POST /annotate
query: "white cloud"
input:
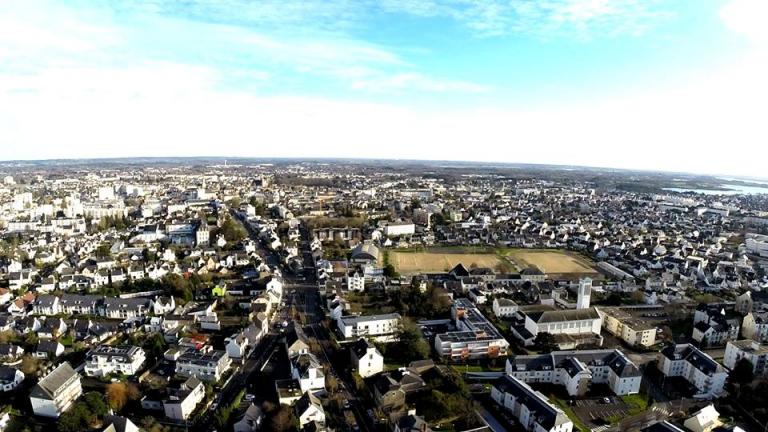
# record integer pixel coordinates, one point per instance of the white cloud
(748, 18)
(711, 125)
(415, 81)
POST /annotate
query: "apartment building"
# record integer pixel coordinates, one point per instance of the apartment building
(531, 408)
(206, 364)
(631, 330)
(105, 360)
(578, 370)
(698, 368)
(755, 326)
(383, 328)
(475, 337)
(56, 392)
(756, 353)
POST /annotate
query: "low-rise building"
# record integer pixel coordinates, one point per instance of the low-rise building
(56, 391)
(206, 364)
(578, 370)
(475, 337)
(531, 408)
(182, 401)
(105, 360)
(756, 353)
(631, 330)
(366, 359)
(698, 368)
(10, 378)
(571, 327)
(384, 328)
(504, 308)
(755, 326)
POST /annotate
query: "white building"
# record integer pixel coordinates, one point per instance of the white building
(395, 229)
(571, 327)
(756, 353)
(205, 364)
(181, 402)
(56, 392)
(698, 368)
(366, 359)
(105, 360)
(531, 408)
(578, 370)
(355, 281)
(309, 409)
(755, 326)
(10, 378)
(378, 327)
(504, 308)
(307, 370)
(584, 294)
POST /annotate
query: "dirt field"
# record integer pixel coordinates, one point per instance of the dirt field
(434, 262)
(551, 262)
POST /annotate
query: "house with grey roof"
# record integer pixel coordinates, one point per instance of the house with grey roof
(696, 367)
(56, 392)
(532, 409)
(578, 370)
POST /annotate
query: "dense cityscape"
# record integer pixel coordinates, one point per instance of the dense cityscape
(288, 295)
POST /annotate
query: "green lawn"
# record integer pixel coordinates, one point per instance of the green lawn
(637, 403)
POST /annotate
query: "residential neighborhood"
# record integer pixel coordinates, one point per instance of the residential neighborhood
(294, 296)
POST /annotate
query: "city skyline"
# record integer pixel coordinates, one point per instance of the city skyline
(660, 85)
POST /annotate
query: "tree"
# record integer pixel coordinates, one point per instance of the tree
(117, 395)
(545, 342)
(96, 404)
(390, 272)
(29, 365)
(282, 419)
(331, 383)
(742, 373)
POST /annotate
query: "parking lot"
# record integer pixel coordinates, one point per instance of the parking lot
(596, 412)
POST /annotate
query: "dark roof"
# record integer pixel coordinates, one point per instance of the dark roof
(546, 414)
(691, 354)
(51, 384)
(662, 426)
(459, 271)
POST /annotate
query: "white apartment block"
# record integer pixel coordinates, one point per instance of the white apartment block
(378, 327)
(578, 370)
(755, 326)
(206, 365)
(105, 360)
(531, 408)
(355, 282)
(698, 368)
(56, 392)
(756, 353)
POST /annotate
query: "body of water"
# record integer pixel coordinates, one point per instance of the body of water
(732, 190)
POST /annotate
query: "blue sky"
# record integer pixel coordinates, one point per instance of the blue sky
(649, 84)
